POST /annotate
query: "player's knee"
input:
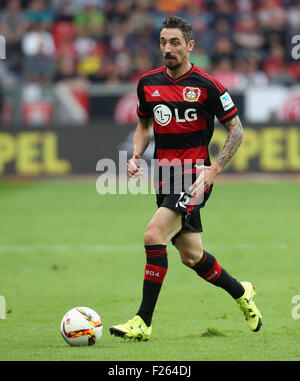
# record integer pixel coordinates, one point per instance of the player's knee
(190, 258)
(152, 236)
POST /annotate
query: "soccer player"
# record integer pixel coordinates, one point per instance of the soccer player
(179, 102)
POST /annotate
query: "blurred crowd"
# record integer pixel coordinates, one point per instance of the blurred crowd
(115, 41)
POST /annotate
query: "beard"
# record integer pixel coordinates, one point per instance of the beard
(171, 64)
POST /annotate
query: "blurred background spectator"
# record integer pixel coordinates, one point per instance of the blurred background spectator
(13, 26)
(39, 53)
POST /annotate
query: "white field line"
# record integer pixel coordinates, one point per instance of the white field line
(67, 247)
(111, 247)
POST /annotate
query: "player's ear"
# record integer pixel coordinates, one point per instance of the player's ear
(191, 45)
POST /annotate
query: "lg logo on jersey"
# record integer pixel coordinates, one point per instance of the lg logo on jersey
(163, 115)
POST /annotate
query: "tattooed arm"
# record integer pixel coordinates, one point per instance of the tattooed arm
(232, 143)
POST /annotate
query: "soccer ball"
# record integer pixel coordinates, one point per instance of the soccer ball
(81, 326)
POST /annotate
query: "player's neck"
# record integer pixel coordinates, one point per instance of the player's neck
(180, 71)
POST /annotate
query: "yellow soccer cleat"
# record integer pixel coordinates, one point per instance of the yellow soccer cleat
(248, 307)
(135, 330)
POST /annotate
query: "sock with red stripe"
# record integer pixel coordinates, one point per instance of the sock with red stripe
(155, 272)
(209, 269)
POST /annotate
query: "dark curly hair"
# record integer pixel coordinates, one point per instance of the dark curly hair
(178, 23)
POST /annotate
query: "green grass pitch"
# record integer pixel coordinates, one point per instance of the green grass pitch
(63, 245)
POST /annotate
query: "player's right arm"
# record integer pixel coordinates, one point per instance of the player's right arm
(141, 140)
(143, 132)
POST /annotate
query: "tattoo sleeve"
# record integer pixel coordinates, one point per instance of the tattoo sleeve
(233, 141)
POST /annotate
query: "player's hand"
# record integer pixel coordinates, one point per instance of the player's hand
(133, 166)
(205, 179)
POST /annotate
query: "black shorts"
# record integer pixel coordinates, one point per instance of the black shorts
(190, 214)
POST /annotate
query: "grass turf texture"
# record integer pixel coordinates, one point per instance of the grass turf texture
(63, 245)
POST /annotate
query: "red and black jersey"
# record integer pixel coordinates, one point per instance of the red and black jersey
(183, 112)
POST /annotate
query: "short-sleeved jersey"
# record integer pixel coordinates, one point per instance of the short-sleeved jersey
(183, 112)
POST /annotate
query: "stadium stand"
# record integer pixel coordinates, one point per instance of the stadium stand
(114, 41)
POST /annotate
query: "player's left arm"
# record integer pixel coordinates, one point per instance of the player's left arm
(222, 106)
(233, 141)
